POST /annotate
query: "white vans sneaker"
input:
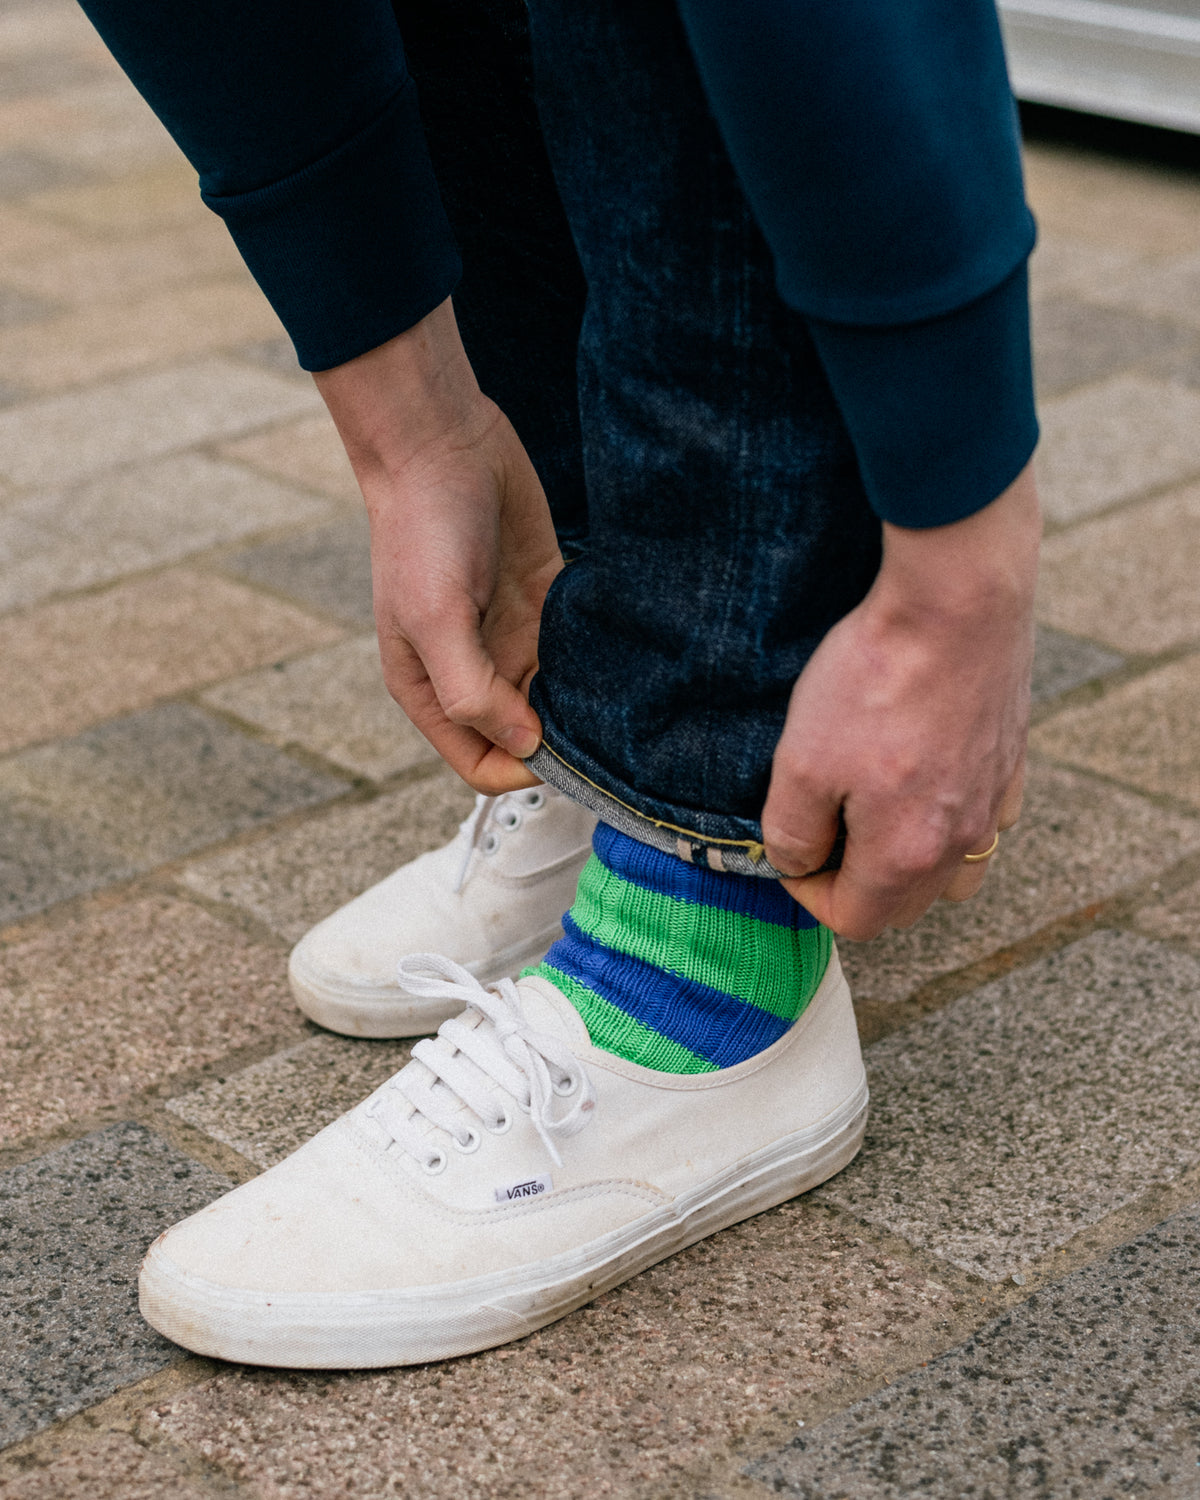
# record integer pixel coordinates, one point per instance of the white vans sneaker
(509, 1174)
(492, 900)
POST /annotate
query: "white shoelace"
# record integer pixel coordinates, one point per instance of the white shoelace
(462, 1063)
(505, 811)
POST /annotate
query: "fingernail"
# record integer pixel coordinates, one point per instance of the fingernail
(520, 742)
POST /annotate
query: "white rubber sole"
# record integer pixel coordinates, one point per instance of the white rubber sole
(381, 1011)
(365, 1330)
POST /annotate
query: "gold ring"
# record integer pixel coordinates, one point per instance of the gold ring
(977, 859)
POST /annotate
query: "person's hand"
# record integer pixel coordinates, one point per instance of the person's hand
(462, 547)
(909, 722)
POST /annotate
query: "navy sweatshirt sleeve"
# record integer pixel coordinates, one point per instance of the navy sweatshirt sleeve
(876, 142)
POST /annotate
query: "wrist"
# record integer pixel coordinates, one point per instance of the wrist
(398, 398)
(983, 567)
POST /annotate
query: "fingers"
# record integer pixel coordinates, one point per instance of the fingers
(485, 766)
(1014, 794)
(800, 821)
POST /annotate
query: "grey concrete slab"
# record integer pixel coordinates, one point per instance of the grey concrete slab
(73, 1226)
(268, 1110)
(276, 354)
(1077, 842)
(1089, 1390)
(1113, 441)
(64, 438)
(1062, 662)
(1127, 580)
(23, 172)
(138, 517)
(1075, 342)
(20, 307)
(333, 702)
(326, 566)
(1142, 733)
(290, 880)
(152, 786)
(1004, 1124)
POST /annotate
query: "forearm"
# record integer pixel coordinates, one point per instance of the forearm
(878, 146)
(302, 123)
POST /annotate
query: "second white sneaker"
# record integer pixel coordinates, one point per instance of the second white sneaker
(492, 900)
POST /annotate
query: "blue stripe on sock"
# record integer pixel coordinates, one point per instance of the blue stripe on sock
(655, 871)
(716, 1026)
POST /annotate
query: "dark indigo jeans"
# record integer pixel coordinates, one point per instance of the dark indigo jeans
(620, 305)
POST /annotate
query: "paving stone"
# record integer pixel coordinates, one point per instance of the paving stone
(1076, 843)
(306, 452)
(75, 1223)
(269, 1109)
(1062, 662)
(1134, 206)
(44, 72)
(620, 1395)
(1143, 732)
(91, 273)
(1162, 289)
(132, 793)
(1062, 265)
(1004, 1124)
(1128, 579)
(69, 664)
(1076, 342)
(162, 197)
(326, 566)
(59, 540)
(291, 880)
(121, 1000)
(112, 1467)
(23, 172)
(25, 236)
(1089, 1389)
(1177, 917)
(334, 703)
(48, 25)
(19, 307)
(276, 354)
(1114, 441)
(65, 438)
(111, 338)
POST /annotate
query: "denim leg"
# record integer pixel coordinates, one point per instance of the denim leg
(728, 527)
(520, 302)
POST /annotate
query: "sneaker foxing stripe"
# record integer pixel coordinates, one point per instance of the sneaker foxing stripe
(763, 964)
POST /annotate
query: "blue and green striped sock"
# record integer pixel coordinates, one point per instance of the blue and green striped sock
(678, 967)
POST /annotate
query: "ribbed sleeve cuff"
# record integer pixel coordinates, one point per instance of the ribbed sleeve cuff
(941, 412)
(354, 248)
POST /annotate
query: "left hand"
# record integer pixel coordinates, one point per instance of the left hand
(909, 722)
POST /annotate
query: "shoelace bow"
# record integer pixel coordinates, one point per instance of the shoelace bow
(485, 811)
(463, 1061)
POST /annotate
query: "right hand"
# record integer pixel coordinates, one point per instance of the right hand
(462, 547)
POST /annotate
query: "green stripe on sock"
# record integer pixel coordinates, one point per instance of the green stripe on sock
(613, 1031)
(776, 968)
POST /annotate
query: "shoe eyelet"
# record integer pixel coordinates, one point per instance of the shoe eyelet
(534, 799)
(436, 1163)
(565, 1087)
(504, 1123)
(470, 1144)
(490, 843)
(509, 819)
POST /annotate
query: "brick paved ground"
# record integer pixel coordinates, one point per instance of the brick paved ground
(996, 1300)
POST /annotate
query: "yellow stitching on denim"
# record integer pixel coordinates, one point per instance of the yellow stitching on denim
(754, 850)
